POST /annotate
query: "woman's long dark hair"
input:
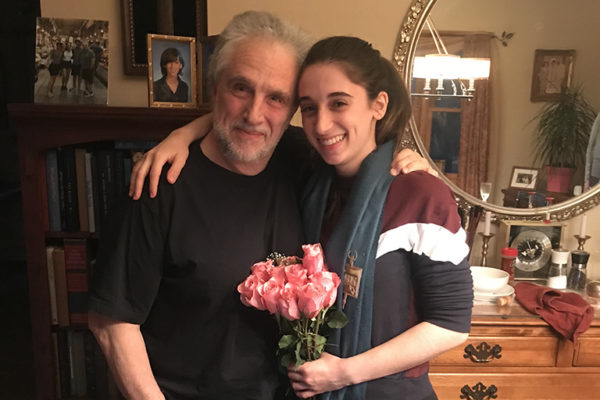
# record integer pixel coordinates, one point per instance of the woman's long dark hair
(366, 67)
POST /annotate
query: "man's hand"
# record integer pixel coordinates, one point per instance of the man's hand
(172, 150)
(323, 375)
(408, 161)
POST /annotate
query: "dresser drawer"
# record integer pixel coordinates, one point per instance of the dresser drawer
(530, 386)
(587, 353)
(501, 352)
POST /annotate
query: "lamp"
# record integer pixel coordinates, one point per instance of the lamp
(444, 66)
(474, 68)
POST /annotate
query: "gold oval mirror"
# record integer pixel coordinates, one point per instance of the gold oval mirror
(514, 100)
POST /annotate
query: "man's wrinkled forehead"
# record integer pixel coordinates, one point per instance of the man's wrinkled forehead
(238, 54)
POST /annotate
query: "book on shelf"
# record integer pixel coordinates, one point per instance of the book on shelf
(63, 382)
(77, 377)
(58, 390)
(76, 266)
(51, 284)
(60, 286)
(82, 199)
(89, 192)
(52, 188)
(67, 180)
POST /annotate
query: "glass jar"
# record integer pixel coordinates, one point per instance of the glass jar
(557, 274)
(578, 275)
(509, 258)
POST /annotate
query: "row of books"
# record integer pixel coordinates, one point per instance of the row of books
(83, 183)
(81, 368)
(69, 269)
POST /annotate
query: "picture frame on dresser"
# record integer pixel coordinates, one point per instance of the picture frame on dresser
(523, 178)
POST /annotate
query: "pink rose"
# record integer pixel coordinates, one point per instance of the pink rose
(311, 297)
(262, 270)
(278, 273)
(270, 293)
(313, 258)
(249, 292)
(296, 274)
(330, 282)
(288, 302)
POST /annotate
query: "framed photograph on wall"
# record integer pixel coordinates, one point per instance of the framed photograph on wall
(71, 61)
(206, 46)
(171, 71)
(167, 17)
(552, 70)
(523, 178)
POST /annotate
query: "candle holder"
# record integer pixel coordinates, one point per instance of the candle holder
(484, 247)
(581, 241)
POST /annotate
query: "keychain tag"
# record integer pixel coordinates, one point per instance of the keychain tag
(352, 275)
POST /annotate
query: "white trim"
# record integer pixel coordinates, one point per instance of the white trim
(434, 241)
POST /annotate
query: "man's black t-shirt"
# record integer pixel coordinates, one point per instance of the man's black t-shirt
(172, 265)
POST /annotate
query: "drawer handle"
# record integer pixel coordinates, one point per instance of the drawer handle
(483, 353)
(478, 392)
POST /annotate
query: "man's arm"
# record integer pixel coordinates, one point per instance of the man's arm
(123, 345)
(174, 150)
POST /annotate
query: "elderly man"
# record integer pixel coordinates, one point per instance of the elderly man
(163, 303)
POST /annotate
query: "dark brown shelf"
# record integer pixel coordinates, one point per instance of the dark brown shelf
(72, 235)
(43, 127)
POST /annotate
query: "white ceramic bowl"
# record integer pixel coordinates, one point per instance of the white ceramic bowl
(486, 279)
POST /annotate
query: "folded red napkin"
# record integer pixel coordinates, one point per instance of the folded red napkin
(567, 312)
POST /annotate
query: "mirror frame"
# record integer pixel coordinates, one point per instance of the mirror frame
(403, 55)
(128, 18)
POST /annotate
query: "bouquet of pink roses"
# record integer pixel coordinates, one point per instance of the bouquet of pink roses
(302, 291)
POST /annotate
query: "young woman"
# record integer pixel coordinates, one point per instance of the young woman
(67, 62)
(415, 291)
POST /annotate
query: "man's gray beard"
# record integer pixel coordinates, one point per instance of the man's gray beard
(232, 152)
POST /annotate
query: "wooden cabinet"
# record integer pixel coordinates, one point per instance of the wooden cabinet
(514, 355)
(43, 127)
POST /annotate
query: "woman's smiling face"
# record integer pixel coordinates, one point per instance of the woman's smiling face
(338, 117)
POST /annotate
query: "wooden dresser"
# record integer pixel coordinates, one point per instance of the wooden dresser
(512, 354)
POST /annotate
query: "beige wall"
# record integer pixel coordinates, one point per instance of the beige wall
(378, 22)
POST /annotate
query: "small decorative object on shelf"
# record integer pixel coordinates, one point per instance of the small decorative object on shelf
(484, 247)
(577, 274)
(557, 274)
(509, 259)
(581, 241)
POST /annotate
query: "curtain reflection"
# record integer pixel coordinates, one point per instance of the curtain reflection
(458, 145)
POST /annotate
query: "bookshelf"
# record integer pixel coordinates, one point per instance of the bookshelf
(41, 128)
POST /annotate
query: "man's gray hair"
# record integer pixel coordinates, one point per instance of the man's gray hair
(256, 24)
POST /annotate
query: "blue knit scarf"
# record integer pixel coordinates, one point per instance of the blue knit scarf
(357, 230)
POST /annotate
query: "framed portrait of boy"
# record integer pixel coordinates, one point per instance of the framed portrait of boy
(171, 71)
